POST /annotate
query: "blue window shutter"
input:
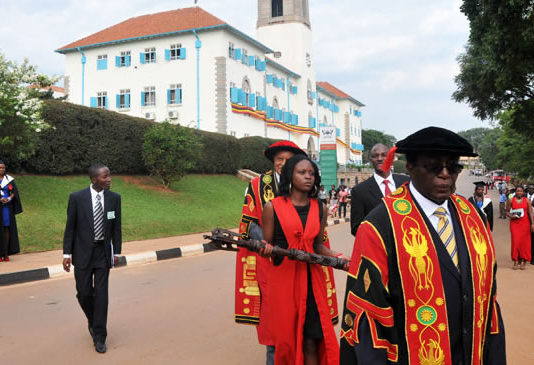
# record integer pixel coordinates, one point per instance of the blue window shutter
(237, 54)
(93, 103)
(252, 100)
(182, 53)
(338, 132)
(270, 112)
(141, 57)
(167, 55)
(179, 96)
(118, 101)
(244, 59)
(106, 102)
(313, 94)
(168, 96)
(128, 61)
(263, 65)
(142, 98)
(251, 60)
(286, 117)
(234, 95)
(257, 64)
(242, 98)
(118, 61)
(294, 89)
(127, 100)
(269, 78)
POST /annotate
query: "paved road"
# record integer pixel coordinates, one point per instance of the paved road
(180, 312)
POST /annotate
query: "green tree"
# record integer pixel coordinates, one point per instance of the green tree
(370, 137)
(169, 151)
(489, 147)
(20, 109)
(497, 67)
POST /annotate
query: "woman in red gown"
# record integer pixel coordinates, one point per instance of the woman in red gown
(301, 323)
(519, 211)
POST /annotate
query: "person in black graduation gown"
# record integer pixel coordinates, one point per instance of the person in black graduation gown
(92, 243)
(11, 205)
(414, 281)
(365, 196)
(482, 202)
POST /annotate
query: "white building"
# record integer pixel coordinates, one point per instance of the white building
(194, 69)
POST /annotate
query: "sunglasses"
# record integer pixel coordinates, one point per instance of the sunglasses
(435, 167)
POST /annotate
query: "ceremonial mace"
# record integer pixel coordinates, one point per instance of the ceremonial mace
(225, 240)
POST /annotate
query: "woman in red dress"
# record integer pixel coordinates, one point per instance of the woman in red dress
(519, 211)
(301, 323)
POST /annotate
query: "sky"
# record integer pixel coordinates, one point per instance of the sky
(396, 57)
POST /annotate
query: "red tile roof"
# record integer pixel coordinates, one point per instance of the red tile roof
(333, 90)
(55, 88)
(151, 24)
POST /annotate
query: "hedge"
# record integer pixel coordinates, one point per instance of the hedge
(80, 136)
(220, 153)
(252, 153)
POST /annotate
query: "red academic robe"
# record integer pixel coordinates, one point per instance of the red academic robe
(287, 290)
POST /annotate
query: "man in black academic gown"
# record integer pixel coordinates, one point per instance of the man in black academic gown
(92, 243)
(365, 196)
(421, 286)
(482, 202)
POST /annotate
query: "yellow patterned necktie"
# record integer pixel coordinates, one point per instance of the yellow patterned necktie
(446, 234)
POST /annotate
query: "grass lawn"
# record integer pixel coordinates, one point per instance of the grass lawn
(197, 203)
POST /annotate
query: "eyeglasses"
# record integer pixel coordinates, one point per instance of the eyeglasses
(435, 167)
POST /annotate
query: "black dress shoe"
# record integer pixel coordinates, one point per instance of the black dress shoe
(100, 347)
(92, 332)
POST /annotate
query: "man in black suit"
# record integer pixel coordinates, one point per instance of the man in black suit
(92, 243)
(367, 195)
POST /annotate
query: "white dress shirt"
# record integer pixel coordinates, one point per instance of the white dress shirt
(380, 181)
(429, 207)
(94, 193)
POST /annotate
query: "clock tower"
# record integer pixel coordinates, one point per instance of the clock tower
(285, 27)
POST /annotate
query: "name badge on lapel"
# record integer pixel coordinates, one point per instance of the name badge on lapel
(111, 214)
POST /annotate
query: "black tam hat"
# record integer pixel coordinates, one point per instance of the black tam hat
(479, 184)
(435, 139)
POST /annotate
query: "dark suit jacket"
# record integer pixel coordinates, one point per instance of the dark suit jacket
(365, 197)
(79, 231)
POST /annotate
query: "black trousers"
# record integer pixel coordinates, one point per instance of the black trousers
(92, 291)
(344, 207)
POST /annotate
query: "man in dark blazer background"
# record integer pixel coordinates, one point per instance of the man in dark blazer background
(92, 243)
(365, 197)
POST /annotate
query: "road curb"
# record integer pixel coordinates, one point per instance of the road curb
(54, 271)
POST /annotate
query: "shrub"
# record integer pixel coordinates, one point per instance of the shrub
(399, 167)
(252, 157)
(81, 136)
(169, 151)
(219, 154)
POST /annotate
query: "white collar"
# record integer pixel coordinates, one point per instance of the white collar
(427, 205)
(94, 193)
(380, 180)
(6, 180)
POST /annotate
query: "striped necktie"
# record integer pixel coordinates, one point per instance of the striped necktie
(98, 217)
(446, 234)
